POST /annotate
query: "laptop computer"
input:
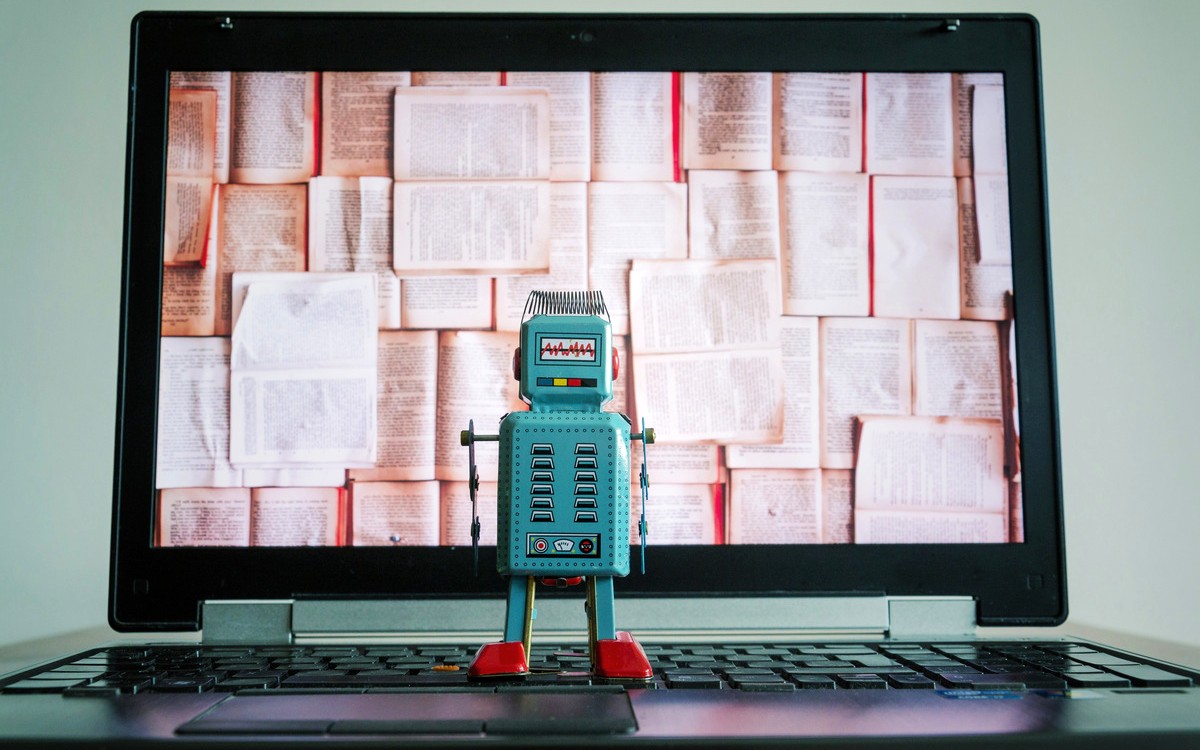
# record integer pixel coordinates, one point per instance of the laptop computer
(822, 244)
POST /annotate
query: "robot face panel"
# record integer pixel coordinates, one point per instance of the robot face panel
(566, 362)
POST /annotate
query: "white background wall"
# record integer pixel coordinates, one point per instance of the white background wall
(1124, 164)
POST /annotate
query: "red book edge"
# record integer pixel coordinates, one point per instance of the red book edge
(676, 110)
(316, 165)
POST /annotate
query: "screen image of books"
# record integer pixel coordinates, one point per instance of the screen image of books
(808, 275)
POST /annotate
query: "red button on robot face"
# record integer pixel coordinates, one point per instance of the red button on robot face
(540, 545)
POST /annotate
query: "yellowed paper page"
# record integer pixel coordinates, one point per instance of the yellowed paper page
(837, 506)
(394, 514)
(916, 247)
(350, 229)
(675, 514)
(568, 256)
(222, 83)
(825, 237)
(628, 221)
(192, 448)
(446, 302)
(406, 407)
(203, 517)
(295, 516)
(866, 368)
(732, 214)
(775, 506)
(909, 124)
(456, 513)
(356, 122)
(801, 446)
(680, 463)
(726, 121)
(471, 134)
(818, 122)
(570, 120)
(632, 127)
(484, 228)
(985, 290)
(963, 85)
(274, 125)
(957, 369)
(455, 78)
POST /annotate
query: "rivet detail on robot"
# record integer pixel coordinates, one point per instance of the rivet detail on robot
(563, 491)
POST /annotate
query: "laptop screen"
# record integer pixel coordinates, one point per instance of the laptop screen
(807, 263)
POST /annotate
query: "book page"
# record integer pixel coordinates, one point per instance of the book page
(295, 476)
(675, 514)
(801, 446)
(456, 513)
(818, 122)
(259, 228)
(726, 121)
(186, 215)
(916, 247)
(628, 221)
(916, 475)
(203, 517)
(356, 122)
(274, 127)
(866, 368)
(191, 144)
(455, 78)
(485, 228)
(394, 514)
(963, 85)
(295, 516)
(475, 382)
(406, 407)
(192, 448)
(703, 305)
(733, 396)
(303, 371)
(992, 220)
(674, 463)
(471, 134)
(733, 214)
(189, 303)
(825, 239)
(222, 83)
(909, 124)
(570, 120)
(775, 506)
(957, 369)
(446, 302)
(634, 122)
(985, 290)
(989, 148)
(837, 506)
(350, 229)
(568, 257)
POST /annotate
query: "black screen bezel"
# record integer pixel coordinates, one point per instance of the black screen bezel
(161, 588)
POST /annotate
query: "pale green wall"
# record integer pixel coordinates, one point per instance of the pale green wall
(1124, 157)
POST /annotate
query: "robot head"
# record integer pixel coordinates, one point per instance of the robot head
(566, 361)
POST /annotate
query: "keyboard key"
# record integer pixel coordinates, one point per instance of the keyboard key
(812, 681)
(1099, 680)
(910, 681)
(767, 687)
(183, 685)
(860, 681)
(244, 683)
(1144, 675)
(695, 681)
(1102, 660)
(40, 686)
(1013, 681)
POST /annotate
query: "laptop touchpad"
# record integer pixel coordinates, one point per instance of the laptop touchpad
(497, 713)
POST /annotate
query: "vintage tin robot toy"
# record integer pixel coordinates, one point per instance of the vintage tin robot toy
(563, 503)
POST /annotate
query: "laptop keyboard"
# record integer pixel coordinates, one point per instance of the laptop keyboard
(752, 668)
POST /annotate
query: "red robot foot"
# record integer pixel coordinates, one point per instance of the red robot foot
(504, 659)
(621, 658)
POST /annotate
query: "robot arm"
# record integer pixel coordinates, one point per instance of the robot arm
(468, 438)
(647, 438)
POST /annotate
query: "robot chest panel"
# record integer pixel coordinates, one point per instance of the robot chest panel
(567, 498)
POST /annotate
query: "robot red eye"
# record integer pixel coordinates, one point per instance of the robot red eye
(616, 363)
(517, 363)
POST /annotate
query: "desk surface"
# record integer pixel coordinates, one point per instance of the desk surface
(17, 656)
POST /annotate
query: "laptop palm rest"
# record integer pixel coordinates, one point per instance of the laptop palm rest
(482, 712)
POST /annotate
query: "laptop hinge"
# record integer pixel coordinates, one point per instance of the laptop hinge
(939, 617)
(246, 622)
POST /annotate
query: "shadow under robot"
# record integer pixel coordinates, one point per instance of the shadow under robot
(563, 494)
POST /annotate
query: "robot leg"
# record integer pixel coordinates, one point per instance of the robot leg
(615, 654)
(510, 656)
